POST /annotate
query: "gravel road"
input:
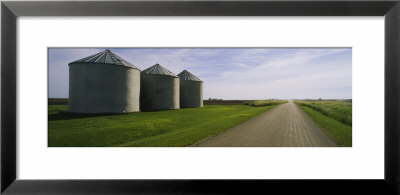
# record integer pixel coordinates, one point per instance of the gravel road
(285, 125)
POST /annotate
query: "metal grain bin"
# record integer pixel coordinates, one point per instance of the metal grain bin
(191, 90)
(159, 89)
(103, 83)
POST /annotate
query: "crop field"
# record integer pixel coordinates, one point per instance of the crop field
(334, 116)
(163, 128)
(223, 102)
(254, 103)
(259, 103)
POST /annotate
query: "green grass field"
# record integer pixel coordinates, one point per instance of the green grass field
(336, 109)
(259, 103)
(164, 128)
(335, 117)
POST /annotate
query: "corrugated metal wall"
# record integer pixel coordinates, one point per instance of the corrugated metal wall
(103, 88)
(159, 92)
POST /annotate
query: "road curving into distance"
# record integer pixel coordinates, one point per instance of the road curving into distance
(286, 125)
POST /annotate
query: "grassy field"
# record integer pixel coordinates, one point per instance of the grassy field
(335, 117)
(54, 109)
(338, 110)
(164, 128)
(223, 102)
(259, 103)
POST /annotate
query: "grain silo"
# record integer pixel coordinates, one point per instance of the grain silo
(103, 83)
(159, 89)
(191, 90)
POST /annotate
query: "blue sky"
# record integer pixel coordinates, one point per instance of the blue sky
(233, 73)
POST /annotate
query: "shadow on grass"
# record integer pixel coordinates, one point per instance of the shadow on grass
(63, 115)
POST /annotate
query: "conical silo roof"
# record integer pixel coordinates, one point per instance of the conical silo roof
(105, 57)
(158, 69)
(187, 76)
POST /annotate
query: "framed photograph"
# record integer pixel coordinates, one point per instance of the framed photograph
(113, 90)
(199, 97)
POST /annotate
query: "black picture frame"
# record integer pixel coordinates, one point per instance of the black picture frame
(10, 10)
